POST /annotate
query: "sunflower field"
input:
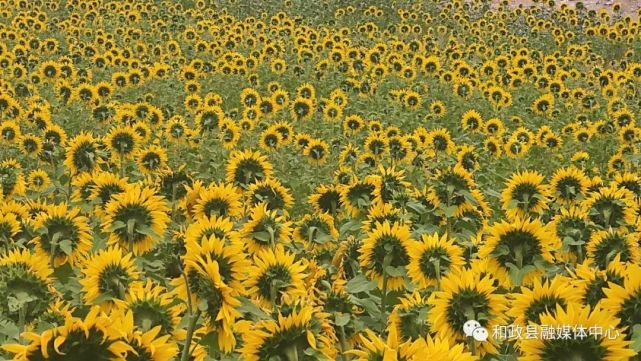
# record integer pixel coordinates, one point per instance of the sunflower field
(292, 180)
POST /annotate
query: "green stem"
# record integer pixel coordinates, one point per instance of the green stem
(343, 343)
(383, 297)
(190, 334)
(472, 345)
(52, 254)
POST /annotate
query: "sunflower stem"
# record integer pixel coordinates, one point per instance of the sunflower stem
(343, 343)
(190, 334)
(69, 187)
(472, 345)
(186, 280)
(386, 262)
(22, 315)
(52, 254)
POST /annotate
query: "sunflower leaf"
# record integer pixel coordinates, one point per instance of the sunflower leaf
(66, 246)
(341, 319)
(359, 284)
(636, 337)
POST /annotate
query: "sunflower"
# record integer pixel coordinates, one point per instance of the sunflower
(123, 141)
(316, 230)
(297, 332)
(136, 218)
(409, 317)
(580, 319)
(302, 109)
(107, 277)
(607, 206)
(27, 285)
(12, 182)
(531, 303)
(219, 199)
(63, 235)
(590, 282)
(353, 124)
(317, 151)
(604, 246)
(103, 186)
(358, 195)
(376, 143)
(215, 275)
(82, 153)
(148, 345)
(38, 180)
(386, 246)
(571, 227)
(568, 185)
(270, 140)
(472, 121)
(275, 273)
(30, 145)
(440, 141)
(525, 194)
(247, 167)
(94, 337)
(152, 306)
(519, 243)
(151, 159)
(438, 348)
(9, 132)
(265, 228)
(9, 227)
(326, 199)
(466, 295)
(431, 258)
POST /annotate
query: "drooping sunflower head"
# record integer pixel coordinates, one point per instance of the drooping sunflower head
(136, 218)
(12, 180)
(247, 167)
(151, 159)
(152, 306)
(25, 284)
(599, 347)
(409, 317)
(64, 235)
(144, 343)
(431, 258)
(275, 273)
(590, 282)
(571, 227)
(272, 193)
(298, 328)
(466, 295)
(82, 153)
(107, 277)
(265, 228)
(530, 303)
(104, 186)
(358, 195)
(221, 227)
(97, 336)
(220, 200)
(568, 185)
(520, 243)
(606, 246)
(317, 231)
(607, 206)
(326, 199)
(451, 185)
(386, 246)
(525, 194)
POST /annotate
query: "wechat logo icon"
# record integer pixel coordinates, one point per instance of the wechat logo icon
(473, 328)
